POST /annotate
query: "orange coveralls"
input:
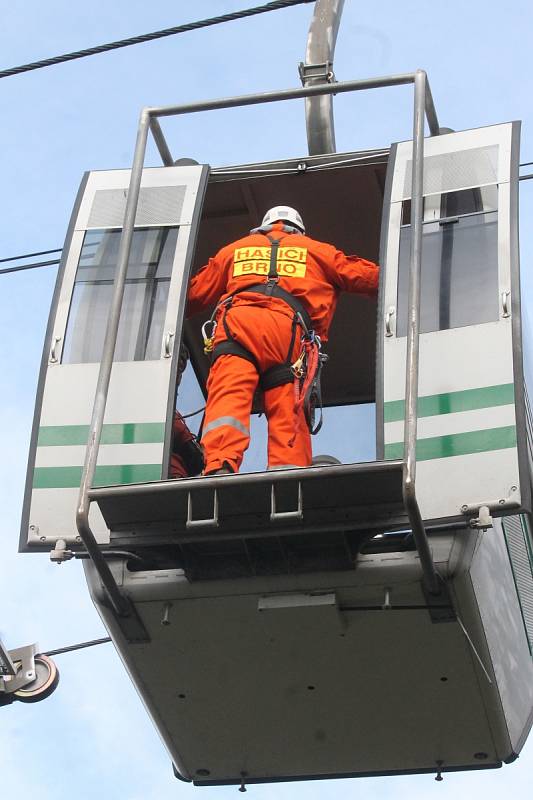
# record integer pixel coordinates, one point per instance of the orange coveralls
(313, 272)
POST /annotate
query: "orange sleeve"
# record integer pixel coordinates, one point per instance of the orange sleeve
(354, 274)
(207, 286)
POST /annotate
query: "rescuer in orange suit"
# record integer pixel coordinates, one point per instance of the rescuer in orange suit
(275, 292)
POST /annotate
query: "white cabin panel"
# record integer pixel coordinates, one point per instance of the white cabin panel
(172, 203)
(456, 161)
(59, 504)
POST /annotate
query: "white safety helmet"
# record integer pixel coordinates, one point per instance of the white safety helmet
(283, 214)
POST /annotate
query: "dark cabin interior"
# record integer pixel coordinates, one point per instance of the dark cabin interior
(340, 199)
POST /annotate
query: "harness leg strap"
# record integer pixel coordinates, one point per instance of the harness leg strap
(233, 348)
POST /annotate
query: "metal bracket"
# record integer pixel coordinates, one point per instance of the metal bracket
(277, 515)
(440, 606)
(22, 661)
(484, 520)
(130, 623)
(482, 510)
(202, 523)
(6, 662)
(322, 72)
(60, 553)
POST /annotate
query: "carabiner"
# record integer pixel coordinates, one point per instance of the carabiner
(298, 369)
(209, 341)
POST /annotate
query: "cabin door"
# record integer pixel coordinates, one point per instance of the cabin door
(471, 442)
(136, 432)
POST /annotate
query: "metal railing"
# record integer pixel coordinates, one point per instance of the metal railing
(423, 105)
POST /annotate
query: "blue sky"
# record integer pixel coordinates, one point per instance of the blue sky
(92, 736)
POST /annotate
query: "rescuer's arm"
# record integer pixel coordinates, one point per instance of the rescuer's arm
(354, 274)
(207, 286)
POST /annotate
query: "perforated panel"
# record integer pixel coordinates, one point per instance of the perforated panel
(452, 171)
(161, 205)
(521, 560)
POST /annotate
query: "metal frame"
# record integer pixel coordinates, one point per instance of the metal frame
(380, 342)
(526, 476)
(14, 679)
(178, 325)
(149, 120)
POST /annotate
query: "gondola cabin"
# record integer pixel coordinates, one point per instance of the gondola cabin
(279, 625)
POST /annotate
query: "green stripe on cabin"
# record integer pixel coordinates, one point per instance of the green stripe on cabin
(108, 475)
(452, 402)
(126, 433)
(457, 444)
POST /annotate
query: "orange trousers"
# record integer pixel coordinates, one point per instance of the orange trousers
(231, 386)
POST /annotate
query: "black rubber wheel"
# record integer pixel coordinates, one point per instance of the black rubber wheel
(45, 682)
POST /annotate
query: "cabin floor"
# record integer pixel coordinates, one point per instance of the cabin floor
(281, 522)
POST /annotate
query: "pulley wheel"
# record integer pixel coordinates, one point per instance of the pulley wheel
(44, 683)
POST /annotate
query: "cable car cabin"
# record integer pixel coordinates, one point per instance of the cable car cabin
(277, 624)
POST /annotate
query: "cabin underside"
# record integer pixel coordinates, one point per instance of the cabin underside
(325, 674)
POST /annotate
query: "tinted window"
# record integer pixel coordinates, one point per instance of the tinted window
(145, 295)
(459, 284)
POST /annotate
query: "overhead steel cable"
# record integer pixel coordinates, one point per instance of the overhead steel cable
(80, 646)
(30, 255)
(22, 267)
(148, 37)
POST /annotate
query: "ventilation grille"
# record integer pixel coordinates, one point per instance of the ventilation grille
(521, 557)
(161, 205)
(453, 171)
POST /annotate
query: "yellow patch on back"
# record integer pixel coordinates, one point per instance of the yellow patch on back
(291, 261)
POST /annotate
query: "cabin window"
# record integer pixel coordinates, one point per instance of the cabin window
(145, 296)
(459, 283)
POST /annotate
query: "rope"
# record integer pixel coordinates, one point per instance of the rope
(193, 413)
(148, 37)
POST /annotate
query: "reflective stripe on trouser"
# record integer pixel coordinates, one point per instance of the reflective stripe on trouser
(231, 386)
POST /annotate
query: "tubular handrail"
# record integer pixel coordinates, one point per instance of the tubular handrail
(413, 339)
(423, 104)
